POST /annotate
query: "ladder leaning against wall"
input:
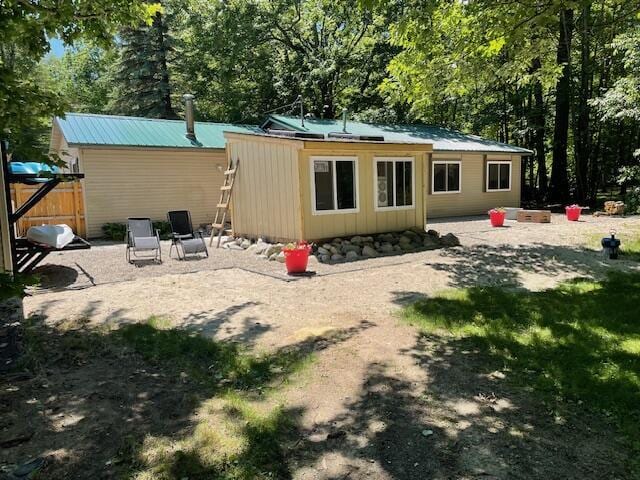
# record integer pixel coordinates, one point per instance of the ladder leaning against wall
(219, 225)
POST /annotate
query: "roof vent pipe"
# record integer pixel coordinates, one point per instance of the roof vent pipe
(188, 116)
(344, 120)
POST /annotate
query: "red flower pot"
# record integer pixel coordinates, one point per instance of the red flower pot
(296, 259)
(497, 217)
(573, 212)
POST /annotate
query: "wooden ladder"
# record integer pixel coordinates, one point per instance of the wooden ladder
(222, 209)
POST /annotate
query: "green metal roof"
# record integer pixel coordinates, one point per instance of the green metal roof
(443, 139)
(112, 130)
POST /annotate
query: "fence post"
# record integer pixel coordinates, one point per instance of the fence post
(76, 209)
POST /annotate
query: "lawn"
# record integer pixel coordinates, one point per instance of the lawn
(224, 399)
(630, 246)
(577, 345)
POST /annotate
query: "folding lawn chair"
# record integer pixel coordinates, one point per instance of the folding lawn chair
(142, 242)
(183, 237)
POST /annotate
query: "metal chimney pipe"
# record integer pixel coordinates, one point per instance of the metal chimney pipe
(344, 120)
(188, 116)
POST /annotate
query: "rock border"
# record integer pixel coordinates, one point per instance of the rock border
(353, 248)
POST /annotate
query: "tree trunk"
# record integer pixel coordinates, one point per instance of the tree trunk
(539, 125)
(582, 133)
(559, 186)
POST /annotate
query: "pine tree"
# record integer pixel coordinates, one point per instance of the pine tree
(142, 75)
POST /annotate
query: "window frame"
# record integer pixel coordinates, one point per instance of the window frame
(499, 162)
(433, 176)
(394, 160)
(333, 159)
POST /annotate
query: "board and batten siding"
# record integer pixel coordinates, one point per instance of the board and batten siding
(266, 200)
(146, 182)
(367, 220)
(473, 199)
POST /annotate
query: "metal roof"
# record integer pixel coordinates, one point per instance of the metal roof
(443, 139)
(112, 130)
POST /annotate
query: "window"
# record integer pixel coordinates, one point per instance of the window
(334, 185)
(394, 183)
(498, 176)
(445, 176)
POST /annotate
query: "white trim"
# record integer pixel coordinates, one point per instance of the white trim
(333, 159)
(446, 162)
(499, 162)
(394, 160)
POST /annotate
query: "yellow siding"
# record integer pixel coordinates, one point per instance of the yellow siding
(265, 199)
(121, 183)
(367, 220)
(473, 200)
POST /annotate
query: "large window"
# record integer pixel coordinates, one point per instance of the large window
(394, 183)
(334, 185)
(498, 176)
(445, 176)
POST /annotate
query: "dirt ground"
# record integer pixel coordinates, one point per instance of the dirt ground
(380, 400)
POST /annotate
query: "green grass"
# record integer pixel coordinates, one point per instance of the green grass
(577, 342)
(239, 431)
(630, 243)
(239, 427)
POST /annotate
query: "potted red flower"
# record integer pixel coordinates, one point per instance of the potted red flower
(573, 212)
(296, 256)
(496, 215)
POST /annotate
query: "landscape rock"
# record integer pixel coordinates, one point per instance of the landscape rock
(433, 233)
(352, 255)
(273, 249)
(336, 257)
(368, 251)
(449, 240)
(260, 247)
(430, 242)
(404, 240)
(323, 251)
(337, 241)
(357, 240)
(350, 248)
(232, 246)
(324, 258)
(280, 257)
(246, 243)
(327, 246)
(386, 248)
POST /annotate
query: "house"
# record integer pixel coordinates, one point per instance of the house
(465, 175)
(321, 179)
(293, 185)
(142, 167)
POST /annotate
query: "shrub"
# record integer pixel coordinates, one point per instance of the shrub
(114, 231)
(15, 285)
(630, 176)
(117, 231)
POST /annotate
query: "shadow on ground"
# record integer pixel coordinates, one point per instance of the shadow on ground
(150, 400)
(505, 265)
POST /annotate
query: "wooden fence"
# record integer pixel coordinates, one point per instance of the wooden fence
(64, 204)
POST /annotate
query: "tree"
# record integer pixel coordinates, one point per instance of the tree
(142, 76)
(244, 58)
(504, 69)
(559, 187)
(26, 26)
(85, 77)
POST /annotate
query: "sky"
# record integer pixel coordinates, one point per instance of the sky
(57, 47)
